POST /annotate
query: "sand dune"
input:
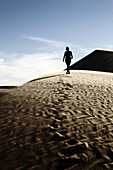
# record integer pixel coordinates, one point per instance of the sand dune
(5, 90)
(98, 60)
(58, 122)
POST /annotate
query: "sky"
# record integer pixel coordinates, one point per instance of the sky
(35, 33)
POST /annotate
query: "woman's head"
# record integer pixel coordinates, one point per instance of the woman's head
(67, 48)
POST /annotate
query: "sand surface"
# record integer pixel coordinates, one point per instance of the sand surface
(58, 122)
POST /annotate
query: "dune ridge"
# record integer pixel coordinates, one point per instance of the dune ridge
(58, 122)
(98, 60)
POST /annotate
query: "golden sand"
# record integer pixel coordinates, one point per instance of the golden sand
(58, 122)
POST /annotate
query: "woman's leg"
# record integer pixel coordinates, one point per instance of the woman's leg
(68, 67)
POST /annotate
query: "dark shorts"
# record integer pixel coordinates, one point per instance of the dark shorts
(68, 62)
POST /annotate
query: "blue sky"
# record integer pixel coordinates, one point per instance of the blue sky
(34, 34)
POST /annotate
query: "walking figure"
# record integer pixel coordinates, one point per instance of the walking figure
(68, 56)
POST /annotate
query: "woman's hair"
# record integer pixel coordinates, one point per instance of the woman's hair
(67, 48)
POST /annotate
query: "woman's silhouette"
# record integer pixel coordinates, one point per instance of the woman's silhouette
(67, 57)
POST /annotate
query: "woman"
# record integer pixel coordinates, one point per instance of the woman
(67, 57)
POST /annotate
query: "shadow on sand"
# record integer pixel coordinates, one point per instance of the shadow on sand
(44, 77)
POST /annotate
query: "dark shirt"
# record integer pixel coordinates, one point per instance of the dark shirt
(68, 55)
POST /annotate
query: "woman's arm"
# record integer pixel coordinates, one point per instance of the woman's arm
(64, 57)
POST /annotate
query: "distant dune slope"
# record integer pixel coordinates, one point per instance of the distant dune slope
(98, 60)
(5, 90)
